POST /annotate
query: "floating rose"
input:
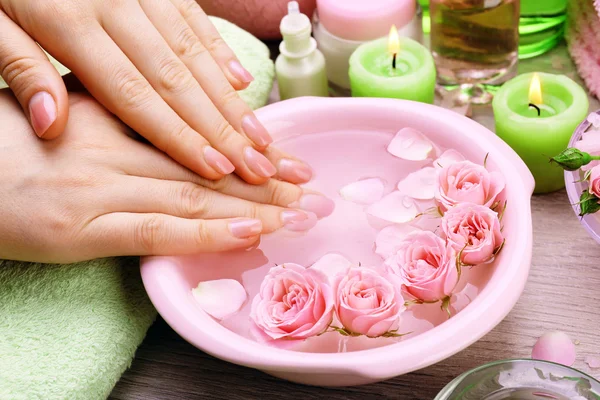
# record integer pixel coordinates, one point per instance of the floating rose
(367, 303)
(466, 182)
(473, 231)
(595, 181)
(293, 303)
(426, 265)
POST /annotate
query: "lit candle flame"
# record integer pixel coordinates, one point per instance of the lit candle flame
(393, 41)
(535, 90)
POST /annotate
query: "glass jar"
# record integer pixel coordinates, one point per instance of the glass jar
(475, 41)
(522, 380)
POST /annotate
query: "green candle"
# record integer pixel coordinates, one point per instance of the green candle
(562, 105)
(394, 67)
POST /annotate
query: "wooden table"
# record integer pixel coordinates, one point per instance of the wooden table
(562, 293)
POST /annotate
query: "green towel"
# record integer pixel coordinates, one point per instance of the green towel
(69, 332)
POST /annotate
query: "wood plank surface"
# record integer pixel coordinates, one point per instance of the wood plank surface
(562, 293)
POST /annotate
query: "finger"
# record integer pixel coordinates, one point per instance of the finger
(197, 19)
(188, 47)
(141, 42)
(188, 200)
(117, 84)
(145, 162)
(35, 82)
(160, 234)
(289, 168)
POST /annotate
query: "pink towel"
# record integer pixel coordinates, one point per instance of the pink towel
(583, 39)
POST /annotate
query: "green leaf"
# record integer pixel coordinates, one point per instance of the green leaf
(588, 203)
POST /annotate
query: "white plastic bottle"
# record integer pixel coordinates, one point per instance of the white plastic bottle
(300, 67)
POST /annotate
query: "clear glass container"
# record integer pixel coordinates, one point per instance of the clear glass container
(475, 43)
(522, 380)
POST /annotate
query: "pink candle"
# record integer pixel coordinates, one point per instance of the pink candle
(343, 25)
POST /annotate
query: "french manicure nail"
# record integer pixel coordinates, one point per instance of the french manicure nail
(245, 228)
(218, 161)
(239, 72)
(294, 171)
(42, 111)
(298, 221)
(256, 131)
(259, 163)
(315, 203)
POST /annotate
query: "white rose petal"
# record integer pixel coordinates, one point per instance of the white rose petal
(410, 144)
(448, 157)
(594, 119)
(220, 298)
(332, 264)
(420, 184)
(395, 207)
(366, 191)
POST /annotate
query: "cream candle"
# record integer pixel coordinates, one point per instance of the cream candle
(536, 115)
(393, 67)
(342, 26)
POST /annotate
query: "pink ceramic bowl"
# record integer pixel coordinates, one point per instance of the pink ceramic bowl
(343, 139)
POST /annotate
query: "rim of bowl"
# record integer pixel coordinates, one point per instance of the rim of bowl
(442, 395)
(437, 344)
(589, 222)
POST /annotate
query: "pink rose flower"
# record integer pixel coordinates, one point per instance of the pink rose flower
(366, 302)
(595, 181)
(293, 303)
(426, 264)
(465, 181)
(474, 230)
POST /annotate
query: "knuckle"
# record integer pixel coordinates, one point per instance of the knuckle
(215, 43)
(189, 9)
(276, 193)
(132, 90)
(149, 234)
(188, 45)
(203, 234)
(229, 97)
(222, 185)
(18, 73)
(193, 200)
(222, 131)
(176, 136)
(174, 77)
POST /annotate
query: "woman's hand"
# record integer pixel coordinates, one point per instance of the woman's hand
(95, 191)
(159, 65)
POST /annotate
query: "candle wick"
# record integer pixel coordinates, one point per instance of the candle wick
(394, 61)
(536, 107)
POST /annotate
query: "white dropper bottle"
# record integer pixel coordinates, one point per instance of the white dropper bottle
(300, 67)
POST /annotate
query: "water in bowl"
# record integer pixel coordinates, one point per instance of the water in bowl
(523, 394)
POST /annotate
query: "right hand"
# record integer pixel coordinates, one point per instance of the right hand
(96, 192)
(159, 65)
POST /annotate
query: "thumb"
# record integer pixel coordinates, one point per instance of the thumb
(35, 82)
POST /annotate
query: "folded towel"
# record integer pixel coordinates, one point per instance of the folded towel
(583, 39)
(69, 331)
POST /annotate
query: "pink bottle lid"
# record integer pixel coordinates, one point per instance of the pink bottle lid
(362, 20)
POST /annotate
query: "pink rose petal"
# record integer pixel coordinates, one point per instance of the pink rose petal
(419, 184)
(366, 191)
(220, 298)
(448, 157)
(592, 361)
(332, 264)
(410, 144)
(395, 207)
(594, 119)
(555, 347)
(389, 237)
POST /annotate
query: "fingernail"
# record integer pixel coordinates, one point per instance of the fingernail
(256, 131)
(42, 111)
(298, 220)
(240, 72)
(315, 203)
(259, 163)
(245, 228)
(294, 171)
(218, 161)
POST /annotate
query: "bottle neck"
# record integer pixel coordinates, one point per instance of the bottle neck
(297, 49)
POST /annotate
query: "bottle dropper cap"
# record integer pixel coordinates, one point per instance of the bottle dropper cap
(295, 28)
